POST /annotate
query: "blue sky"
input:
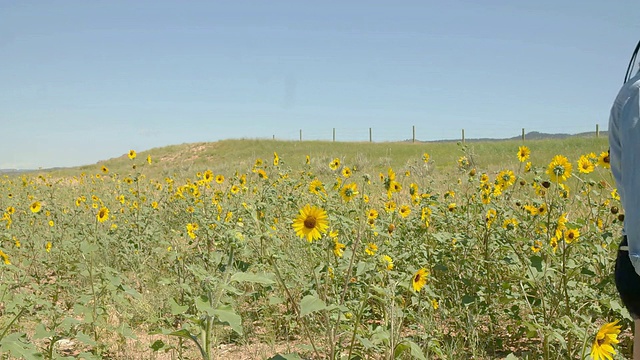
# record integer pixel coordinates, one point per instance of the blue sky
(83, 81)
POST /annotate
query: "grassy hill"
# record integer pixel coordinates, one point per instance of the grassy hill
(227, 156)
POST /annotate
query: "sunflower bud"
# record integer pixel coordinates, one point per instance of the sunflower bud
(614, 210)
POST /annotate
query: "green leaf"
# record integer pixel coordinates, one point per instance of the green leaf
(311, 304)
(182, 333)
(157, 345)
(292, 356)
(19, 347)
(414, 350)
(263, 279)
(84, 338)
(41, 332)
(227, 315)
(536, 262)
(177, 309)
(202, 304)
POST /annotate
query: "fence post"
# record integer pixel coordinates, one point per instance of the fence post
(522, 134)
(334, 134)
(274, 137)
(463, 136)
(300, 134)
(370, 137)
(597, 130)
(414, 134)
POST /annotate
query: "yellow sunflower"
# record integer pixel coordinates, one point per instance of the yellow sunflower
(571, 235)
(604, 160)
(276, 159)
(523, 153)
(404, 211)
(585, 165)
(316, 187)
(346, 172)
(419, 279)
(132, 154)
(103, 214)
(603, 343)
(425, 157)
(559, 169)
(335, 164)
(105, 169)
(349, 191)
(207, 176)
(35, 207)
(338, 248)
(311, 223)
(371, 249)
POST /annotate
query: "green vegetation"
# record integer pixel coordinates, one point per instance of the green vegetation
(365, 251)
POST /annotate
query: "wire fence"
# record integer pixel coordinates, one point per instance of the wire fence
(413, 134)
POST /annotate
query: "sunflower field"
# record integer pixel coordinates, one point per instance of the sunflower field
(328, 261)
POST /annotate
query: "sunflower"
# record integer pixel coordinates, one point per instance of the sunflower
(523, 153)
(349, 191)
(527, 167)
(559, 169)
(311, 223)
(387, 261)
(571, 235)
(335, 164)
(435, 304)
(338, 248)
(425, 157)
(103, 214)
(105, 169)
(372, 214)
(154, 205)
(604, 160)
(276, 159)
(207, 176)
(307, 160)
(506, 178)
(404, 211)
(346, 172)
(419, 279)
(451, 207)
(11, 210)
(585, 165)
(490, 217)
(5, 258)
(390, 206)
(35, 207)
(262, 174)
(602, 344)
(149, 161)
(132, 154)
(510, 224)
(234, 189)
(316, 187)
(371, 249)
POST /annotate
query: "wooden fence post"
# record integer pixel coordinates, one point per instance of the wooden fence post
(522, 134)
(370, 137)
(334, 134)
(300, 134)
(463, 136)
(413, 140)
(597, 130)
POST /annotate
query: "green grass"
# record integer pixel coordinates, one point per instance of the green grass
(230, 155)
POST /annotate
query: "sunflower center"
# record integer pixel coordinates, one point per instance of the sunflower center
(310, 222)
(416, 278)
(558, 170)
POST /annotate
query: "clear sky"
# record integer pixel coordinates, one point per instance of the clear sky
(83, 81)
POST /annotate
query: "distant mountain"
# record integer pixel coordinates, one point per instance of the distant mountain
(533, 135)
